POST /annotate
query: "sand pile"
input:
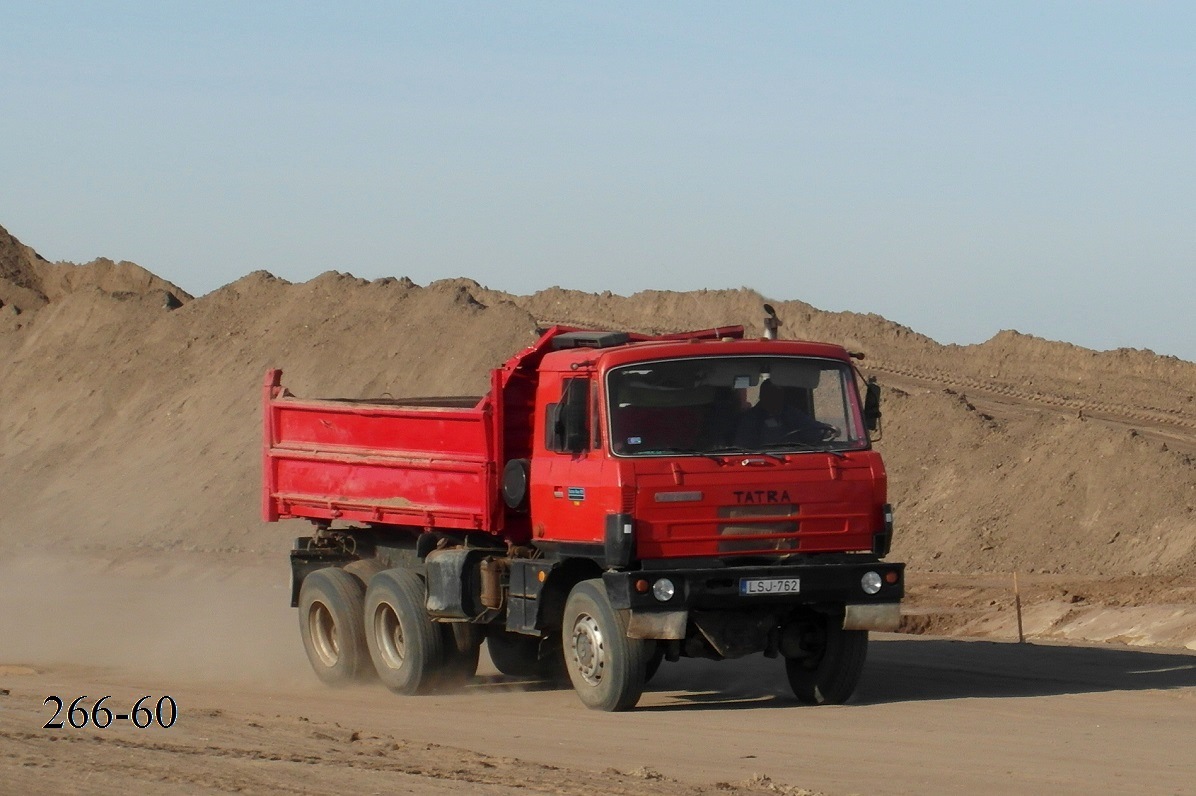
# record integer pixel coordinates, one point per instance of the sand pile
(19, 280)
(1038, 492)
(29, 282)
(130, 421)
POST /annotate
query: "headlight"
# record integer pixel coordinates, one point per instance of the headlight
(870, 583)
(663, 590)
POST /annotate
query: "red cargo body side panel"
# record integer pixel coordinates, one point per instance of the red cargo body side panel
(425, 466)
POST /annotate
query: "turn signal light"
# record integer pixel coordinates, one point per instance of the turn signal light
(891, 577)
(641, 586)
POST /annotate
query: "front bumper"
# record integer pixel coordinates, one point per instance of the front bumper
(720, 588)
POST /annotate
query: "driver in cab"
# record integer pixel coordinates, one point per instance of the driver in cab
(772, 421)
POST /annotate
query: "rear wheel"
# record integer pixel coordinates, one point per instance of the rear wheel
(829, 673)
(330, 623)
(608, 669)
(406, 647)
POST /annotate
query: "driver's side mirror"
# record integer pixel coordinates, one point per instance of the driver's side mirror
(872, 404)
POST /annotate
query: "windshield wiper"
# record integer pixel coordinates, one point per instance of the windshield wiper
(735, 450)
(807, 446)
(686, 451)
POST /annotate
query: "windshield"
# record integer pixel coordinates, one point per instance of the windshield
(716, 405)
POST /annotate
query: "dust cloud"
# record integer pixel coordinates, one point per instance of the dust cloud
(164, 619)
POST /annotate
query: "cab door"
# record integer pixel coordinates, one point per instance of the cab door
(573, 481)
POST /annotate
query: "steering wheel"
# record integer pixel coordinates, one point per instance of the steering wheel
(825, 432)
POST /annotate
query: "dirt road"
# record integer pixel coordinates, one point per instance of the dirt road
(932, 716)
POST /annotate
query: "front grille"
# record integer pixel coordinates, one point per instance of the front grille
(744, 537)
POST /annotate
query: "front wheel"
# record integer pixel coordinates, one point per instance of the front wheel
(406, 647)
(608, 669)
(829, 673)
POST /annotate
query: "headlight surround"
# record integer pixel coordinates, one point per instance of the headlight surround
(663, 590)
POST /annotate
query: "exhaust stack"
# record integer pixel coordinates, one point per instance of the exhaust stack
(771, 323)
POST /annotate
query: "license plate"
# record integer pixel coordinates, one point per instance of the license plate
(751, 587)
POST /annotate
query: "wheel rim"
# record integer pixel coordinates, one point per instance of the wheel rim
(389, 633)
(322, 628)
(589, 650)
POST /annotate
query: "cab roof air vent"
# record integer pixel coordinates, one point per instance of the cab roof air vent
(589, 340)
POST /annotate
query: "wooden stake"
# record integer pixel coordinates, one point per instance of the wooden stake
(1017, 602)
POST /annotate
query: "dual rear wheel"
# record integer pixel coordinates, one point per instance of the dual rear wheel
(330, 606)
(351, 632)
(406, 646)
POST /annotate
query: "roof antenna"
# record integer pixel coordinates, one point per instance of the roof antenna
(771, 323)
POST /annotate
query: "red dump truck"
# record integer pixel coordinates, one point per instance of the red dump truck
(614, 501)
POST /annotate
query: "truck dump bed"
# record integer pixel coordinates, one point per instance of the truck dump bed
(428, 463)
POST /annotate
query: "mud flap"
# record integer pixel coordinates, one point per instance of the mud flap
(668, 625)
(879, 616)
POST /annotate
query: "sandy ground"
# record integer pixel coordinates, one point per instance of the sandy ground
(932, 715)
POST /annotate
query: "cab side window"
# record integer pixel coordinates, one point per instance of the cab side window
(568, 422)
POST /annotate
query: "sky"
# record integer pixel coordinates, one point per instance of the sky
(959, 168)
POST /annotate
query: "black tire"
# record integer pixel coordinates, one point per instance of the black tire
(330, 622)
(551, 667)
(515, 478)
(607, 668)
(829, 675)
(460, 665)
(517, 655)
(406, 647)
(513, 654)
(654, 661)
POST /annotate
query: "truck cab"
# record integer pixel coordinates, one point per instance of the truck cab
(719, 449)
